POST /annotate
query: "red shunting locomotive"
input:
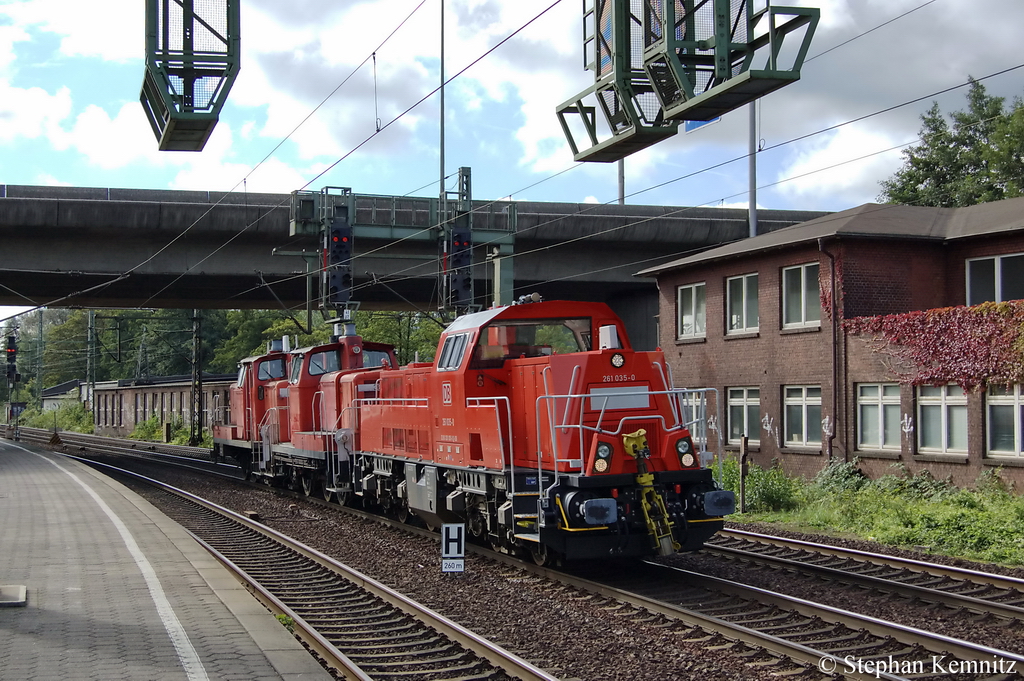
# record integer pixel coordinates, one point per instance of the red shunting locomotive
(537, 425)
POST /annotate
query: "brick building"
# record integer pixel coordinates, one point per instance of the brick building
(753, 320)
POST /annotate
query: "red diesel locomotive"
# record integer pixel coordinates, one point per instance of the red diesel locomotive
(537, 425)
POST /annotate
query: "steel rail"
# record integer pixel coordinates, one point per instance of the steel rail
(951, 599)
(964, 650)
(885, 560)
(502, 659)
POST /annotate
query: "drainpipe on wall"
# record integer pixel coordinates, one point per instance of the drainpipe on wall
(835, 350)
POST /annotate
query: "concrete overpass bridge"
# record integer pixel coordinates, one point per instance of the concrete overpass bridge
(93, 247)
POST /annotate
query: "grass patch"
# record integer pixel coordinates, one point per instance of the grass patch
(985, 523)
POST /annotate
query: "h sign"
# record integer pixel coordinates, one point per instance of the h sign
(453, 547)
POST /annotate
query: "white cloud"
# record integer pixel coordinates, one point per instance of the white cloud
(112, 31)
(9, 37)
(847, 163)
(118, 142)
(32, 112)
(48, 180)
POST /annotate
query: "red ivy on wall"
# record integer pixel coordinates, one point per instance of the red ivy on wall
(972, 346)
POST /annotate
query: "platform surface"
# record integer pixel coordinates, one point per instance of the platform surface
(116, 590)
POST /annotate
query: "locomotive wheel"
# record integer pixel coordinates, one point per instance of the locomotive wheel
(402, 514)
(345, 498)
(308, 484)
(328, 494)
(539, 553)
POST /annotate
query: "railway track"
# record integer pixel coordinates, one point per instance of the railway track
(73, 443)
(982, 593)
(819, 636)
(360, 627)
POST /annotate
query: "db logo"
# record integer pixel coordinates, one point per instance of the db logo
(446, 393)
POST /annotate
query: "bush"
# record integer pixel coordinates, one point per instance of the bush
(766, 490)
(72, 416)
(150, 430)
(840, 476)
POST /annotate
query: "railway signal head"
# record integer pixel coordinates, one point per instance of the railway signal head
(338, 256)
(12, 350)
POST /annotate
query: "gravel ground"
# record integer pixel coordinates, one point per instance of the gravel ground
(559, 629)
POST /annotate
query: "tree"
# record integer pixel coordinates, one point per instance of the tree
(1005, 154)
(954, 165)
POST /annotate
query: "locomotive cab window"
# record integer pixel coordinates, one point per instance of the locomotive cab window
(272, 369)
(518, 339)
(324, 362)
(453, 351)
(241, 375)
(375, 358)
(296, 368)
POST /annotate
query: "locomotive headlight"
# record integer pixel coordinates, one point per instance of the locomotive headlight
(684, 448)
(604, 457)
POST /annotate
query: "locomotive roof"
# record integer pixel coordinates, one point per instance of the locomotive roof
(551, 309)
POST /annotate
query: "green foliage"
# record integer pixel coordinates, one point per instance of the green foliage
(916, 511)
(840, 476)
(71, 416)
(975, 160)
(766, 490)
(287, 622)
(150, 430)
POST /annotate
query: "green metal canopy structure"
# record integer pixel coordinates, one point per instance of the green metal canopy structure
(192, 51)
(659, 62)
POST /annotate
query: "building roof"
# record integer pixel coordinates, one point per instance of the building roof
(872, 221)
(61, 388)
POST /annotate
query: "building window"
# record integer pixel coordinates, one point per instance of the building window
(995, 279)
(692, 315)
(742, 304)
(878, 416)
(801, 304)
(1005, 414)
(803, 415)
(941, 418)
(744, 414)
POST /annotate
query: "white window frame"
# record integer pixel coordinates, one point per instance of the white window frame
(1003, 397)
(806, 282)
(691, 291)
(997, 274)
(804, 401)
(743, 398)
(946, 401)
(745, 305)
(880, 400)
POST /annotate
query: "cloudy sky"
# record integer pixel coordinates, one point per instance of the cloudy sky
(70, 74)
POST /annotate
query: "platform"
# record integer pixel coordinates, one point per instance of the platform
(117, 590)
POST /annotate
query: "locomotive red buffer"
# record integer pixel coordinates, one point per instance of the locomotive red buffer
(537, 425)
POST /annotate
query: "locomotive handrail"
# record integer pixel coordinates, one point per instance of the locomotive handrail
(674, 394)
(404, 401)
(668, 386)
(217, 419)
(480, 402)
(317, 410)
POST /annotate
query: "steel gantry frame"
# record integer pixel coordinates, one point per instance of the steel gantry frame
(659, 62)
